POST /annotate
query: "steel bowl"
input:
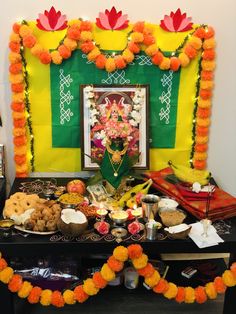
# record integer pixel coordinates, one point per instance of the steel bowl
(119, 216)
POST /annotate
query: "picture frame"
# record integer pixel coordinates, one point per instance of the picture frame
(132, 103)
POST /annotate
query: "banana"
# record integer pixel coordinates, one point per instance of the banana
(133, 201)
(190, 175)
(137, 188)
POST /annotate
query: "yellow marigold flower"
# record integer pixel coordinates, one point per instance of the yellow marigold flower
(203, 122)
(208, 65)
(16, 78)
(14, 57)
(140, 262)
(228, 278)
(22, 168)
(18, 97)
(209, 43)
(36, 50)
(74, 22)
(200, 156)
(93, 54)
(20, 150)
(56, 57)
(107, 273)
(201, 139)
(172, 291)
(165, 64)
(136, 37)
(207, 84)
(25, 31)
(189, 295)
(151, 50)
(6, 274)
(70, 43)
(89, 287)
(18, 132)
(153, 279)
(69, 297)
(121, 253)
(211, 290)
(195, 42)
(184, 59)
(148, 29)
(128, 55)
(25, 290)
(110, 65)
(18, 115)
(45, 298)
(85, 36)
(15, 37)
(204, 103)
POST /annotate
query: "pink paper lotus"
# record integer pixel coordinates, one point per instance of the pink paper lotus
(112, 20)
(176, 22)
(51, 21)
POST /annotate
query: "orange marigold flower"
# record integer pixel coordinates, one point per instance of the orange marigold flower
(99, 281)
(201, 147)
(18, 97)
(87, 46)
(86, 36)
(56, 57)
(200, 32)
(22, 174)
(107, 273)
(172, 291)
(228, 278)
(207, 84)
(6, 275)
(204, 103)
(151, 50)
(16, 27)
(18, 115)
(15, 283)
(209, 43)
(200, 294)
(200, 156)
(14, 47)
(114, 264)
(199, 164)
(110, 65)
(148, 40)
(68, 296)
(15, 37)
(233, 269)
(25, 30)
(157, 58)
(45, 57)
(18, 131)
(190, 51)
(184, 59)
(45, 298)
(203, 112)
(195, 42)
(20, 159)
(21, 150)
(29, 41)
(165, 64)
(21, 168)
(17, 88)
(189, 295)
(86, 26)
(19, 123)
(25, 289)
(64, 51)
(140, 262)
(101, 61)
(3, 263)
(139, 27)
(153, 280)
(89, 287)
(20, 140)
(14, 57)
(202, 131)
(208, 54)
(70, 43)
(133, 47)
(147, 271)
(180, 296)
(208, 65)
(174, 64)
(135, 251)
(73, 32)
(36, 50)
(205, 93)
(211, 290)
(15, 68)
(219, 285)
(209, 32)
(80, 295)
(128, 55)
(162, 286)
(57, 299)
(92, 55)
(121, 253)
(207, 75)
(120, 62)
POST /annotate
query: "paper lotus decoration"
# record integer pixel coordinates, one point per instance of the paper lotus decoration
(112, 20)
(51, 21)
(176, 22)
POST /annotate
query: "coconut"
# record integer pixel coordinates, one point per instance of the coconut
(72, 222)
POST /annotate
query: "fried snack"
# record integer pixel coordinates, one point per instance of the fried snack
(89, 210)
(71, 198)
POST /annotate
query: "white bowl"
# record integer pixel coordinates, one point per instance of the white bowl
(167, 203)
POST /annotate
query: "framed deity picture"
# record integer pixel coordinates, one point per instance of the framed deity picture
(114, 112)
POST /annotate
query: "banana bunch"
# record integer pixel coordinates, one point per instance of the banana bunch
(190, 175)
(129, 197)
(133, 201)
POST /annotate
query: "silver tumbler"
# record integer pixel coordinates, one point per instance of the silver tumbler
(150, 206)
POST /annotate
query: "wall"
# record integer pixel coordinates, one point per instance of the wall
(220, 14)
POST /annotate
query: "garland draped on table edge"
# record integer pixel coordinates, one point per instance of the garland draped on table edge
(115, 263)
(79, 35)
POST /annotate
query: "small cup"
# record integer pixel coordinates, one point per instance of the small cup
(150, 206)
(151, 232)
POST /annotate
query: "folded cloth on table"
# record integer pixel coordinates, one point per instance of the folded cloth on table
(202, 242)
(222, 206)
(190, 195)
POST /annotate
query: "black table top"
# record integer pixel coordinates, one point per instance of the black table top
(38, 244)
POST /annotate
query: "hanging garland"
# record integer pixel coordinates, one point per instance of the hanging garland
(115, 263)
(79, 34)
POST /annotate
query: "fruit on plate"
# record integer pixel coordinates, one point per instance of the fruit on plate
(76, 186)
(72, 222)
(189, 175)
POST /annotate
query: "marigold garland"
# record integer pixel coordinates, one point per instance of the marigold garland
(100, 279)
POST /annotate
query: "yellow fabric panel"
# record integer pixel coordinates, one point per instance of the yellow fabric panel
(48, 159)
